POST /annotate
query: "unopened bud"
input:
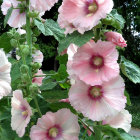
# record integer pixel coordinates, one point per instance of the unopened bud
(34, 88)
(13, 42)
(24, 68)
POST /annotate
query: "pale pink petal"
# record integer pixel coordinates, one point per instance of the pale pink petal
(38, 56)
(42, 5)
(120, 120)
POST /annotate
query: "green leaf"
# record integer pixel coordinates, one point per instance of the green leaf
(10, 10)
(130, 70)
(5, 43)
(107, 130)
(97, 133)
(50, 28)
(61, 73)
(129, 137)
(128, 97)
(76, 38)
(114, 19)
(48, 86)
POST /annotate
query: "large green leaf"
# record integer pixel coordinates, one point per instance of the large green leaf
(5, 43)
(50, 28)
(130, 70)
(8, 16)
(114, 19)
(76, 38)
(129, 137)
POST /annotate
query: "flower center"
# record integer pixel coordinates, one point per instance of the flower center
(97, 62)
(92, 7)
(95, 92)
(25, 113)
(53, 132)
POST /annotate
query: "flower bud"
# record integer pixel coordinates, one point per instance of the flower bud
(10, 34)
(13, 42)
(34, 39)
(24, 69)
(25, 78)
(36, 65)
(17, 36)
(34, 88)
(33, 14)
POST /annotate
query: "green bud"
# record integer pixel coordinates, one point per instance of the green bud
(34, 88)
(13, 42)
(17, 36)
(10, 34)
(24, 69)
(36, 32)
(36, 65)
(25, 78)
(26, 51)
(33, 14)
(34, 39)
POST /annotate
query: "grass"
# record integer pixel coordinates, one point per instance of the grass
(134, 109)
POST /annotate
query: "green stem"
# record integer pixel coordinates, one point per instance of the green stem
(36, 103)
(29, 42)
(28, 28)
(86, 125)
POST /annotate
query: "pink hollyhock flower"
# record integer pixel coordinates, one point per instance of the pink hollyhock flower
(84, 14)
(16, 19)
(38, 56)
(116, 38)
(98, 101)
(5, 79)
(43, 5)
(5, 68)
(95, 63)
(56, 126)
(120, 120)
(21, 112)
(5, 88)
(38, 80)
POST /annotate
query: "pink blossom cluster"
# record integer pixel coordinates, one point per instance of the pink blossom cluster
(18, 16)
(98, 89)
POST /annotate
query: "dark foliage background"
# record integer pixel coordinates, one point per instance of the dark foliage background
(129, 9)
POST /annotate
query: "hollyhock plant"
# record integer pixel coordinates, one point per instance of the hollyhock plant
(95, 63)
(38, 80)
(56, 126)
(84, 14)
(21, 112)
(43, 5)
(98, 101)
(116, 38)
(38, 56)
(120, 120)
(17, 19)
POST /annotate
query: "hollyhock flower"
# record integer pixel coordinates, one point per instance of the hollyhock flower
(116, 38)
(95, 63)
(21, 112)
(5, 67)
(43, 5)
(56, 126)
(5, 88)
(38, 80)
(38, 56)
(17, 19)
(98, 101)
(84, 14)
(5, 79)
(120, 120)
